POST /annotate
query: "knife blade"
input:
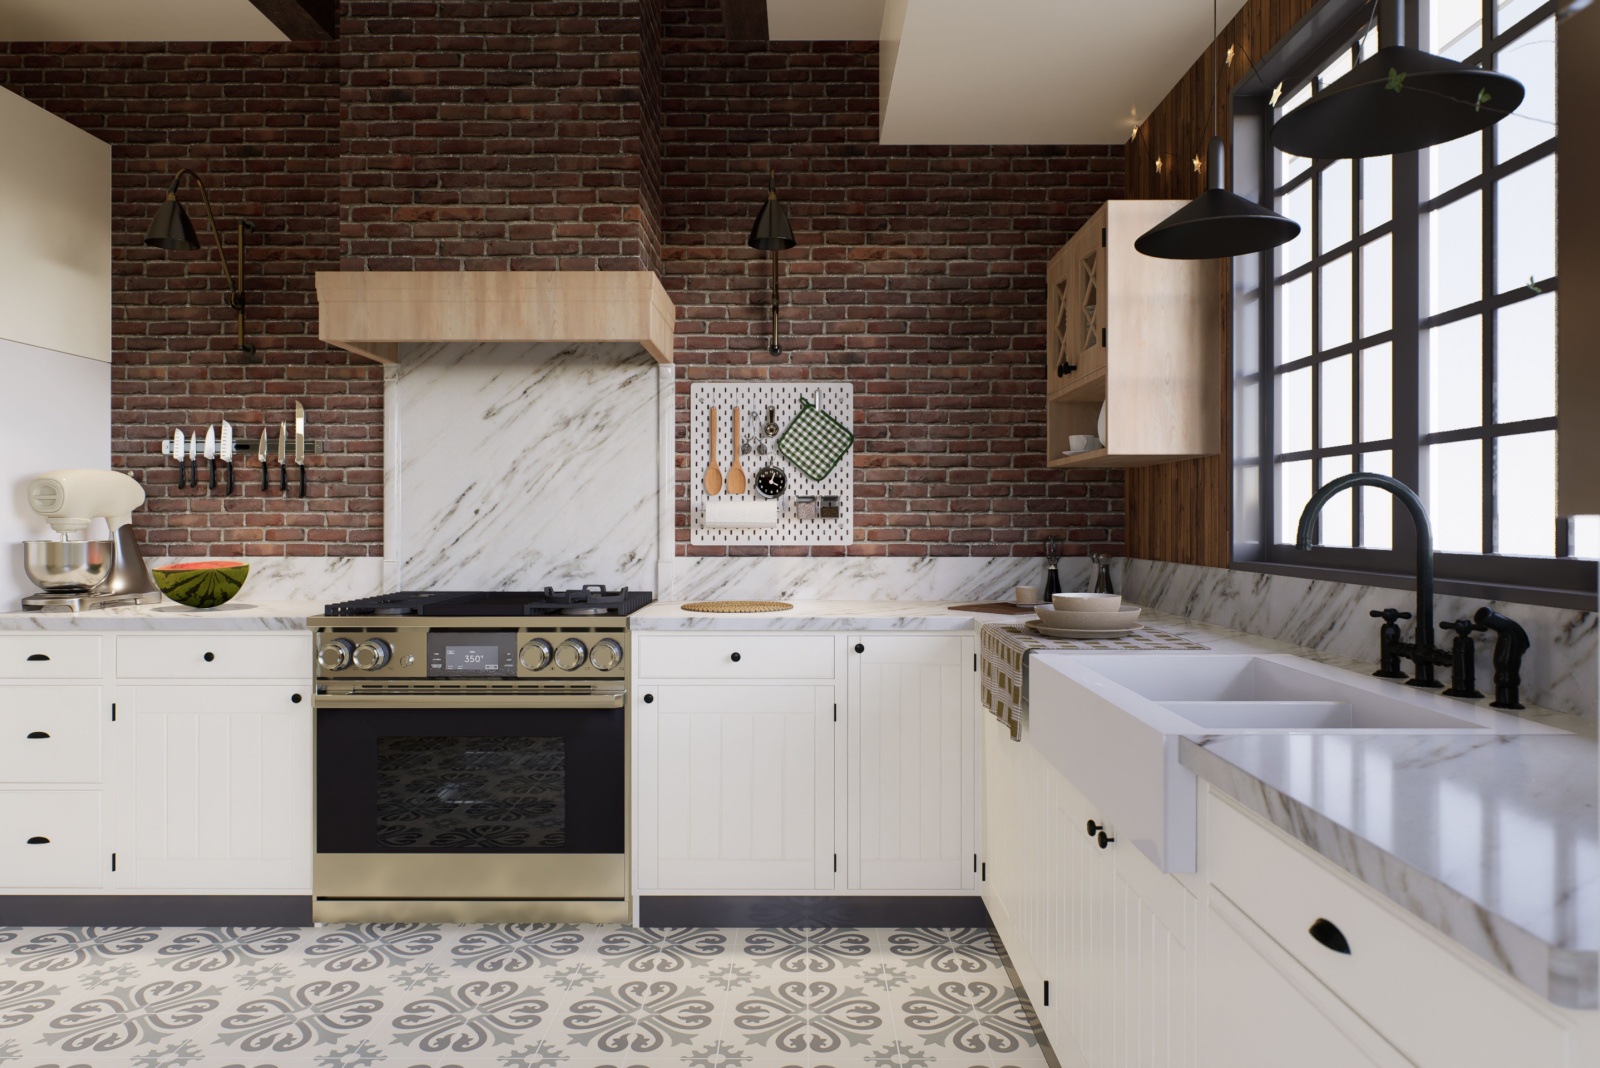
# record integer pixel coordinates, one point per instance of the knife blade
(211, 454)
(194, 459)
(261, 455)
(227, 452)
(283, 457)
(300, 443)
(177, 451)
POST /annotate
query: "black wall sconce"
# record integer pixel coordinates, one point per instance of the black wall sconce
(772, 233)
(172, 230)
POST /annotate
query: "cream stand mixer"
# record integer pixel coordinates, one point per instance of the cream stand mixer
(75, 573)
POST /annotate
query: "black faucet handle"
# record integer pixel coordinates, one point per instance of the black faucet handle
(1463, 627)
(1389, 615)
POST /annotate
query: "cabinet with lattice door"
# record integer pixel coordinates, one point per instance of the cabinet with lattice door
(1136, 336)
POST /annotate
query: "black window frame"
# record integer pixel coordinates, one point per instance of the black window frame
(1561, 581)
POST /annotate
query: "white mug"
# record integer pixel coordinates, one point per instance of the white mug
(1082, 442)
(1028, 595)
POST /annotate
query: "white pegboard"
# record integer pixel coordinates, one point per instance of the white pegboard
(835, 398)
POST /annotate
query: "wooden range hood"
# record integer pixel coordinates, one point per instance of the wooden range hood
(372, 313)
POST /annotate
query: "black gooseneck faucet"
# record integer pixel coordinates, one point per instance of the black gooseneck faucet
(1422, 652)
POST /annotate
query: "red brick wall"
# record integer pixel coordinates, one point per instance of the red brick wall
(260, 124)
(919, 277)
(491, 135)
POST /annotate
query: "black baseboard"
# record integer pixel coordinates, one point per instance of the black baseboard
(119, 910)
(962, 911)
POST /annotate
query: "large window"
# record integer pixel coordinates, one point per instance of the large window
(1410, 328)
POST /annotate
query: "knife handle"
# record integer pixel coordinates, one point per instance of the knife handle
(182, 473)
(230, 478)
(302, 480)
(265, 484)
(283, 477)
(213, 463)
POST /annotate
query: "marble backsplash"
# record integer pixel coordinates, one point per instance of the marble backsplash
(867, 578)
(1559, 672)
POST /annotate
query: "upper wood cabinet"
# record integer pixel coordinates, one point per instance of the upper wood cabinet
(1578, 263)
(1139, 335)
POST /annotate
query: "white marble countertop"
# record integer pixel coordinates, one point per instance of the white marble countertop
(821, 615)
(168, 615)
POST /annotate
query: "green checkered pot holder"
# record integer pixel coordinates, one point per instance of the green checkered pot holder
(815, 441)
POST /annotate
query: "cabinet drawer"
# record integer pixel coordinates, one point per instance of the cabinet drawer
(49, 656)
(744, 657)
(51, 838)
(50, 733)
(214, 656)
(1435, 1007)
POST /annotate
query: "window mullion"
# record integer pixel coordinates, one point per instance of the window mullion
(1491, 453)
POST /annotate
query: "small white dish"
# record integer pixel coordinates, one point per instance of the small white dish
(1078, 632)
(1086, 602)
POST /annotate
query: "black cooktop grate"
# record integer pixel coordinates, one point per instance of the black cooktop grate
(590, 600)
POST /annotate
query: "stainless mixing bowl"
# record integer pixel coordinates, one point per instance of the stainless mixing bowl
(68, 566)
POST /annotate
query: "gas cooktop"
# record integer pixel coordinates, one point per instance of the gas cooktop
(589, 601)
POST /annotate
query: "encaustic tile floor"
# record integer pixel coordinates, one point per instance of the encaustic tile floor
(509, 996)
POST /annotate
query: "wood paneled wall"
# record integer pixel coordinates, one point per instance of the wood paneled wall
(1182, 512)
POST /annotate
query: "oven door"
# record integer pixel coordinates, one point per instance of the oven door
(471, 797)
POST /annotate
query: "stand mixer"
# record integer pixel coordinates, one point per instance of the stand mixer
(79, 574)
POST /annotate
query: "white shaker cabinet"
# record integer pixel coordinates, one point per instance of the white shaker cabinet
(736, 787)
(911, 745)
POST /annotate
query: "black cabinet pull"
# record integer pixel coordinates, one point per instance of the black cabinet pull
(649, 698)
(1105, 839)
(209, 657)
(860, 648)
(735, 658)
(1330, 936)
(38, 734)
(1095, 828)
(294, 698)
(38, 656)
(38, 839)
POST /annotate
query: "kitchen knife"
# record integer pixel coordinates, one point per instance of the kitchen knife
(261, 455)
(177, 451)
(300, 443)
(211, 455)
(194, 459)
(283, 457)
(227, 452)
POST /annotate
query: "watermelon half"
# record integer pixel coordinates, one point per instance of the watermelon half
(202, 583)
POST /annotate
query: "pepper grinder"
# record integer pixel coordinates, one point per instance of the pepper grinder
(1102, 573)
(1052, 576)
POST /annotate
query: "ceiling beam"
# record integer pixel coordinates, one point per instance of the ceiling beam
(302, 20)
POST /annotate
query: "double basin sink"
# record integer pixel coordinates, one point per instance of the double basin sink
(1112, 724)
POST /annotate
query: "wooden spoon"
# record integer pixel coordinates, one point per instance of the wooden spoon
(713, 472)
(736, 472)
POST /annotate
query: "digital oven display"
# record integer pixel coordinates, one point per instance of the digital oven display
(475, 654)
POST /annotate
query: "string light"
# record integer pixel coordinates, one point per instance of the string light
(1196, 162)
(1229, 60)
(1158, 164)
(1277, 94)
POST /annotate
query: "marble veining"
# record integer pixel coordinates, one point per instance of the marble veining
(242, 613)
(866, 578)
(1491, 839)
(818, 615)
(1559, 672)
(517, 466)
(323, 579)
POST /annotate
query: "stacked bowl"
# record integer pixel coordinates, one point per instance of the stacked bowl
(1086, 615)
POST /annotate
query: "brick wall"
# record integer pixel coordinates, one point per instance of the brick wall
(490, 135)
(259, 122)
(919, 277)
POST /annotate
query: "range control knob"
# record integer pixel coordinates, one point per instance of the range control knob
(536, 655)
(572, 655)
(607, 655)
(371, 654)
(335, 655)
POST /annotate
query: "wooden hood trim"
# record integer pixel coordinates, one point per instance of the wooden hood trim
(372, 313)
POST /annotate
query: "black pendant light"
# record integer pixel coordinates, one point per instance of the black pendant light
(1398, 100)
(772, 233)
(1217, 224)
(172, 230)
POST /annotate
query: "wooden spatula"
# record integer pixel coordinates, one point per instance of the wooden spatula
(713, 472)
(736, 472)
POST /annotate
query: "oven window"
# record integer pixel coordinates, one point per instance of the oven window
(453, 793)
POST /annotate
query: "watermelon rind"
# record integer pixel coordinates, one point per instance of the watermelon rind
(201, 583)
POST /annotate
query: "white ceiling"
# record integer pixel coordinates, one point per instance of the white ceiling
(134, 20)
(1014, 72)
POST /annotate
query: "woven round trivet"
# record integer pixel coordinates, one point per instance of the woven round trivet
(738, 606)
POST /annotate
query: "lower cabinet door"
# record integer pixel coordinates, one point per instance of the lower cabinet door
(51, 839)
(222, 787)
(50, 733)
(736, 787)
(1253, 1016)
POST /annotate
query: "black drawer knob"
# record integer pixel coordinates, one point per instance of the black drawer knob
(860, 648)
(1329, 935)
(38, 734)
(295, 698)
(38, 656)
(735, 658)
(649, 698)
(1095, 828)
(209, 657)
(1104, 839)
(38, 839)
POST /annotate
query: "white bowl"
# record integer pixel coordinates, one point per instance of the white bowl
(1086, 602)
(1120, 618)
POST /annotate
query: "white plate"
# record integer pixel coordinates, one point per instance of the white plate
(1090, 634)
(1121, 618)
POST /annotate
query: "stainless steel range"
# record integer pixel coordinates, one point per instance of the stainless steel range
(472, 757)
